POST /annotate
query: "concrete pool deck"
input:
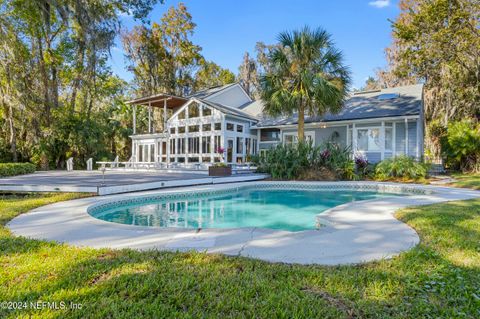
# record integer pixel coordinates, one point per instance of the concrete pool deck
(115, 181)
(353, 233)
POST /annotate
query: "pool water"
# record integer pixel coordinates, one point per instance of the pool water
(292, 210)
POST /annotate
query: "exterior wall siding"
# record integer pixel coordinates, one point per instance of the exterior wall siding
(233, 97)
(400, 138)
(325, 134)
(412, 139)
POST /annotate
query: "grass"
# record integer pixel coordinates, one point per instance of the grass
(467, 180)
(440, 278)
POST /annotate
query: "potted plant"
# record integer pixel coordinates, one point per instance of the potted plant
(220, 169)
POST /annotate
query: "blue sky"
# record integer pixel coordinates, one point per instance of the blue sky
(228, 28)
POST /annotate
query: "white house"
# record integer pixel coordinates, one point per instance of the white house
(379, 124)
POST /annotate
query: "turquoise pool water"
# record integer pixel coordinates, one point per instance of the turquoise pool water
(292, 210)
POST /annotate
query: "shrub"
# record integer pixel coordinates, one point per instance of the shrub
(461, 145)
(403, 167)
(12, 169)
(305, 161)
(362, 167)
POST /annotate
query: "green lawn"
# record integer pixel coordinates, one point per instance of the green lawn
(440, 278)
(467, 180)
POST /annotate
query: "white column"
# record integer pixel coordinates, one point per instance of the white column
(200, 139)
(185, 141)
(354, 138)
(382, 140)
(168, 150)
(406, 137)
(149, 117)
(165, 115)
(212, 146)
(394, 139)
(134, 119)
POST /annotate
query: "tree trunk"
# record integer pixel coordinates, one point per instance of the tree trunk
(13, 137)
(301, 123)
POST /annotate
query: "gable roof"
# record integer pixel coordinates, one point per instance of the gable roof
(391, 102)
(228, 110)
(203, 94)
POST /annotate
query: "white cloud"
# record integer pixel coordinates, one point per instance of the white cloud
(379, 3)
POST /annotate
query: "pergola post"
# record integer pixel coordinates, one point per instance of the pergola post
(165, 115)
(134, 119)
(149, 117)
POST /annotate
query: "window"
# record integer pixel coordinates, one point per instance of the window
(181, 129)
(216, 143)
(369, 140)
(206, 144)
(387, 96)
(240, 128)
(193, 128)
(172, 146)
(230, 126)
(218, 126)
(207, 127)
(247, 146)
(290, 139)
(180, 145)
(207, 111)
(193, 110)
(388, 138)
(239, 145)
(269, 135)
(181, 115)
(152, 153)
(193, 145)
(254, 146)
(172, 130)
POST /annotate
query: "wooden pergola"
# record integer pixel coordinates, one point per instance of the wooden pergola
(164, 101)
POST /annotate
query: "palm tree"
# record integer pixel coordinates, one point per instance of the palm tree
(306, 75)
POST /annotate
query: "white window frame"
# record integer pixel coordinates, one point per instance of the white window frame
(310, 134)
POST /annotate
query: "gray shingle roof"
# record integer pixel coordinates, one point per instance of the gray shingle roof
(210, 91)
(366, 105)
(228, 110)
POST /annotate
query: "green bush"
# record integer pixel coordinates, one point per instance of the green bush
(305, 161)
(461, 146)
(12, 169)
(403, 167)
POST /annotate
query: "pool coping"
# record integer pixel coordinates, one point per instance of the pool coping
(354, 232)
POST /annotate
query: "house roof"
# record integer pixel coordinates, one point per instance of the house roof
(228, 110)
(210, 91)
(158, 100)
(391, 102)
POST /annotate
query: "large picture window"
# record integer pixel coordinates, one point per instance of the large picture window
(292, 138)
(269, 135)
(193, 145)
(368, 139)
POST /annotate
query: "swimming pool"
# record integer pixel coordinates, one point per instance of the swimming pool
(281, 209)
